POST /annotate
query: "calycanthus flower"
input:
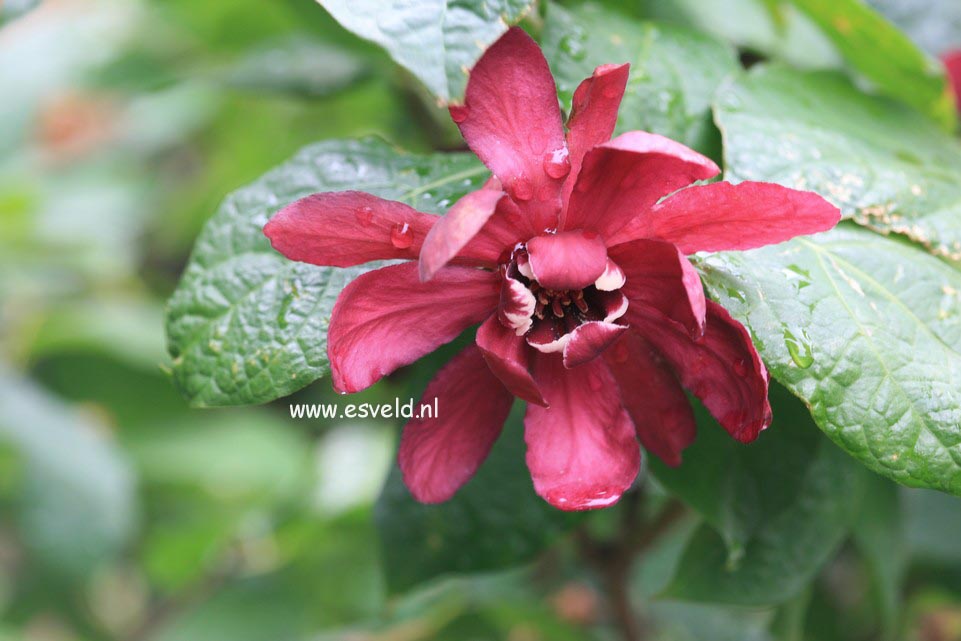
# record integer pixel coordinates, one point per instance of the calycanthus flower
(572, 261)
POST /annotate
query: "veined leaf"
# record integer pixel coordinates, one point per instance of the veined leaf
(247, 325)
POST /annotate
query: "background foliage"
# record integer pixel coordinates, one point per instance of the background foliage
(126, 515)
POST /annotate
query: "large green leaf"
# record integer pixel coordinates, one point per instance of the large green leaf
(935, 25)
(77, 503)
(246, 325)
(494, 522)
(863, 327)
(883, 164)
(674, 71)
(776, 509)
(887, 57)
(436, 40)
(866, 330)
(772, 28)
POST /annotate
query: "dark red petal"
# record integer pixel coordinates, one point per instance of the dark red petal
(507, 355)
(455, 229)
(502, 231)
(589, 340)
(653, 397)
(346, 228)
(441, 453)
(722, 369)
(593, 115)
(582, 452)
(952, 62)
(659, 276)
(622, 179)
(387, 318)
(568, 260)
(511, 119)
(722, 216)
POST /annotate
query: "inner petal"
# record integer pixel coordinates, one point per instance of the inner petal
(567, 260)
(547, 317)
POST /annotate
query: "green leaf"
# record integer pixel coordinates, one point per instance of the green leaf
(879, 535)
(245, 324)
(436, 40)
(787, 497)
(887, 57)
(77, 503)
(674, 71)
(866, 330)
(296, 66)
(772, 28)
(885, 165)
(494, 522)
(935, 25)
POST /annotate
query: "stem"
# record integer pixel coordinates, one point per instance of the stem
(613, 560)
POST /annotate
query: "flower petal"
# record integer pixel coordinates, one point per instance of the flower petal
(387, 318)
(659, 276)
(507, 227)
(582, 452)
(589, 340)
(512, 121)
(453, 231)
(593, 115)
(952, 62)
(622, 179)
(345, 228)
(722, 216)
(653, 397)
(722, 369)
(516, 307)
(507, 356)
(612, 279)
(568, 260)
(439, 454)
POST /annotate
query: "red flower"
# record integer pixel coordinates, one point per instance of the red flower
(952, 62)
(572, 261)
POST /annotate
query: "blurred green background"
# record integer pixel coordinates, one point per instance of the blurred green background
(126, 516)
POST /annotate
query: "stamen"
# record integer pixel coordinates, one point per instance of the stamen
(556, 308)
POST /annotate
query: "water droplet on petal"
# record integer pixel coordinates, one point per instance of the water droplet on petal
(522, 189)
(401, 236)
(740, 367)
(557, 164)
(459, 113)
(365, 216)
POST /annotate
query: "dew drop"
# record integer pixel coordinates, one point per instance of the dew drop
(799, 349)
(557, 164)
(522, 189)
(401, 236)
(365, 216)
(573, 45)
(740, 367)
(459, 113)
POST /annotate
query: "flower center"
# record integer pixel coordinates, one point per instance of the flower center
(546, 317)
